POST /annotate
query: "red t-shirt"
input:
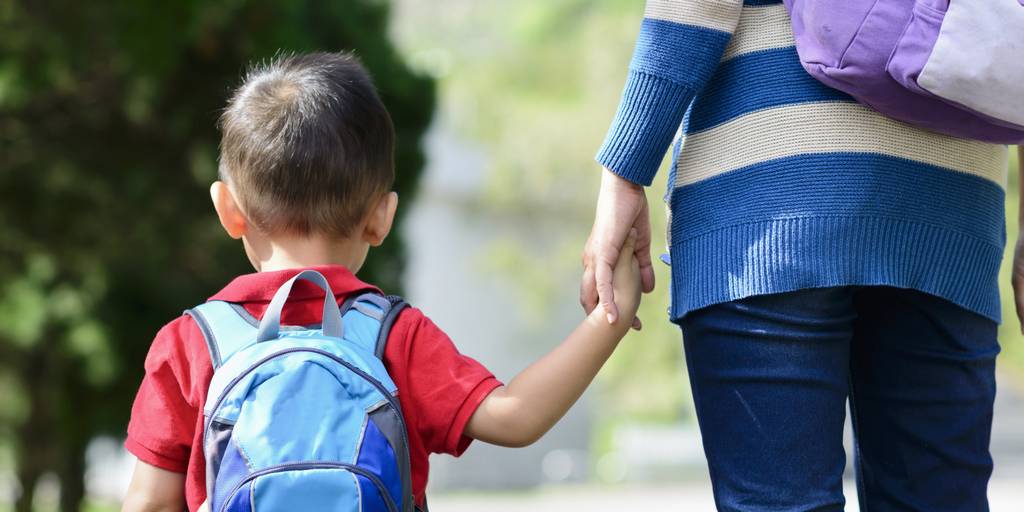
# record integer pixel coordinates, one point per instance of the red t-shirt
(438, 388)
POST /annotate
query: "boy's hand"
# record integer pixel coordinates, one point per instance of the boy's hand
(621, 206)
(626, 280)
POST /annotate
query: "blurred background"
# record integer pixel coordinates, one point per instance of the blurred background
(108, 144)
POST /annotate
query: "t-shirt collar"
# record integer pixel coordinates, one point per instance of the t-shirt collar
(261, 286)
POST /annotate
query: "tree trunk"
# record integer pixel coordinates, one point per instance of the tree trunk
(28, 477)
(72, 479)
(31, 460)
(34, 438)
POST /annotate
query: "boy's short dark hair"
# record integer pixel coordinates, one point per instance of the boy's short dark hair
(307, 145)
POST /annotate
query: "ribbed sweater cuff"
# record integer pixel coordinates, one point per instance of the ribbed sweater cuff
(648, 117)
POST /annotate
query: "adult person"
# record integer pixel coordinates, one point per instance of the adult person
(820, 252)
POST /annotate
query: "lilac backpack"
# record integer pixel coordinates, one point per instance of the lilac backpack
(950, 66)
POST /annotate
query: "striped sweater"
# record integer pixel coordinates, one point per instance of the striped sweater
(779, 183)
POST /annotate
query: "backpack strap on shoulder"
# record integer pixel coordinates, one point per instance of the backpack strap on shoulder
(397, 305)
(227, 328)
(368, 319)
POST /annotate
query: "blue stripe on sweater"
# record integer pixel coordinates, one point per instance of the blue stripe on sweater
(756, 81)
(761, 2)
(647, 118)
(684, 54)
(842, 184)
(671, 61)
(784, 255)
(837, 219)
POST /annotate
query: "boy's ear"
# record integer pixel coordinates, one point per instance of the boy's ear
(381, 218)
(228, 211)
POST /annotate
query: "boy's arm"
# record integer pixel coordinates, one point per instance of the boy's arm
(520, 413)
(165, 416)
(154, 490)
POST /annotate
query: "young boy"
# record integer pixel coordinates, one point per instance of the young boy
(306, 170)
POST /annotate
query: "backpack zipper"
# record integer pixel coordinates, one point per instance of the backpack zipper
(298, 466)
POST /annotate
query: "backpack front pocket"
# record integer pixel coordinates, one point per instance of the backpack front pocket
(310, 486)
(304, 403)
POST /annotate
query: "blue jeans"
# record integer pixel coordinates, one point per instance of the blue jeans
(771, 376)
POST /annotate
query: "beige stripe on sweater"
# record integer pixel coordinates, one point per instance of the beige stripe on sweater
(715, 14)
(765, 27)
(828, 127)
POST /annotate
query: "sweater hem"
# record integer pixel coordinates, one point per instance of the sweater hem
(784, 255)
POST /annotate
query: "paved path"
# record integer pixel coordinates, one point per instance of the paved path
(1006, 491)
(1005, 496)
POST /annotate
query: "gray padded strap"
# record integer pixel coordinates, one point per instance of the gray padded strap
(383, 309)
(396, 305)
(271, 323)
(226, 327)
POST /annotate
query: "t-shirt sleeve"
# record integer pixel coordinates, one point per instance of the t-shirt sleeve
(441, 386)
(164, 415)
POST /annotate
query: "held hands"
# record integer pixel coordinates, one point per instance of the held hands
(626, 281)
(1017, 272)
(1017, 278)
(621, 207)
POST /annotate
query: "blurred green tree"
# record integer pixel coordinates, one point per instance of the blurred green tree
(558, 69)
(107, 146)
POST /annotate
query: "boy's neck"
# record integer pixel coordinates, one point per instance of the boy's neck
(280, 253)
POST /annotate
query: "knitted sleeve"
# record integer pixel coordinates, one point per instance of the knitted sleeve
(678, 49)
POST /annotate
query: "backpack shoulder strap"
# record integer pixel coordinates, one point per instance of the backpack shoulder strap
(227, 328)
(397, 305)
(368, 319)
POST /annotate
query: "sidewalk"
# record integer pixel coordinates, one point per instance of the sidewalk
(1006, 489)
(1004, 496)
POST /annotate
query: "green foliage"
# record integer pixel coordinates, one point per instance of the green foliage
(107, 147)
(536, 84)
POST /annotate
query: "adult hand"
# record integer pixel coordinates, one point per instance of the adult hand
(621, 206)
(1017, 277)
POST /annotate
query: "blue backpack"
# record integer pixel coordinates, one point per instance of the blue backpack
(304, 418)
